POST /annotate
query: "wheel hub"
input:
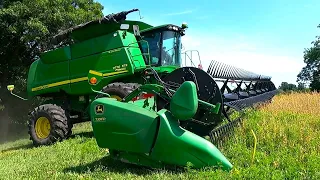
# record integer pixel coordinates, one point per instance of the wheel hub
(116, 97)
(42, 127)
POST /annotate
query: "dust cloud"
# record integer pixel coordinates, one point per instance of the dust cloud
(13, 117)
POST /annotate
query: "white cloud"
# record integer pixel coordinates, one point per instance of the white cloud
(240, 52)
(180, 13)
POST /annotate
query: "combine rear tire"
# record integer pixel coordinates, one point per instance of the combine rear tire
(119, 90)
(48, 124)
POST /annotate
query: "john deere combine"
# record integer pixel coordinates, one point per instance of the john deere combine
(122, 58)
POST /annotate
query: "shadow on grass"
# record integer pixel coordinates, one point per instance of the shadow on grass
(83, 134)
(25, 146)
(108, 164)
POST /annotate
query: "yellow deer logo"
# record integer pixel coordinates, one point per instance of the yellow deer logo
(99, 109)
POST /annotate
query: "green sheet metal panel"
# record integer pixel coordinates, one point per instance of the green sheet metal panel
(56, 55)
(104, 63)
(184, 146)
(48, 78)
(31, 77)
(94, 30)
(96, 45)
(115, 62)
(123, 122)
(114, 55)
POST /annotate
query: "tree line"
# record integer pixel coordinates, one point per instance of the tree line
(308, 78)
(26, 28)
(310, 73)
(289, 87)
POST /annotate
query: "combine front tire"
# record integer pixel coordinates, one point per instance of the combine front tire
(48, 124)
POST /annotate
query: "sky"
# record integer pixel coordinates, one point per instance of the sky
(264, 37)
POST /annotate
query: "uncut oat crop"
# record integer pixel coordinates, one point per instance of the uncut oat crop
(298, 103)
(288, 141)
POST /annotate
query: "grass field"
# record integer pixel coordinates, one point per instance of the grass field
(288, 147)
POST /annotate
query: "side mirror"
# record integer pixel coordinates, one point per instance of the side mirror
(136, 30)
(10, 88)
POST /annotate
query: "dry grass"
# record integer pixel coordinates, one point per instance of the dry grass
(301, 103)
(288, 136)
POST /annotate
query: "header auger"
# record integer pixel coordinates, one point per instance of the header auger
(123, 57)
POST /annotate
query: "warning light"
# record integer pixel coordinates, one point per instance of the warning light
(93, 80)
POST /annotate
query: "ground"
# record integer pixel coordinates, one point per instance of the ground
(288, 147)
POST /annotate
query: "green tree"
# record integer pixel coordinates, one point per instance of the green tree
(301, 86)
(287, 87)
(315, 83)
(26, 27)
(310, 73)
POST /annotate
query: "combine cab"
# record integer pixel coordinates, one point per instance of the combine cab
(123, 55)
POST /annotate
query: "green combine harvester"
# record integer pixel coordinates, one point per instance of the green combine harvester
(128, 79)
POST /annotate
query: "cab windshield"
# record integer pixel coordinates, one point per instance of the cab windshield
(164, 48)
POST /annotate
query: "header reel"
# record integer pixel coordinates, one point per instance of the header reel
(248, 85)
(250, 89)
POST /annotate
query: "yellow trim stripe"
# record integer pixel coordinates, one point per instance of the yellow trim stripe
(95, 73)
(113, 73)
(50, 85)
(76, 80)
